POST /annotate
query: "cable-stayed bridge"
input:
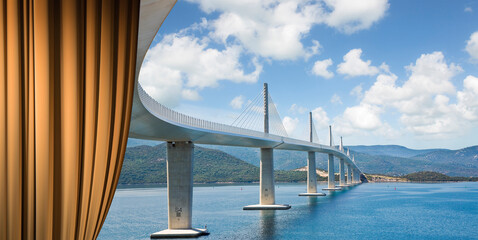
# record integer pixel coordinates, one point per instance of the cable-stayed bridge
(152, 120)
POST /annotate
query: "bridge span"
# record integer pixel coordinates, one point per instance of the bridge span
(152, 120)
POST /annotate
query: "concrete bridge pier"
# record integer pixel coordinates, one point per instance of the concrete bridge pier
(342, 182)
(357, 177)
(331, 169)
(311, 177)
(331, 175)
(267, 191)
(180, 192)
(311, 169)
(349, 175)
(353, 177)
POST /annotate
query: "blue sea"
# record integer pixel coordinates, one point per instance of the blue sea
(366, 211)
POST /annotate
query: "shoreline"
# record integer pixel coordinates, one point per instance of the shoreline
(147, 185)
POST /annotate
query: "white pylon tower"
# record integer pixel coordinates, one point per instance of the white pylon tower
(266, 180)
(311, 172)
(330, 168)
(342, 182)
(341, 148)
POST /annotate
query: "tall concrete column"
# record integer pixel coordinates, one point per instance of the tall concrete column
(311, 177)
(266, 185)
(358, 176)
(349, 174)
(311, 169)
(180, 191)
(342, 172)
(330, 168)
(267, 193)
(311, 173)
(180, 184)
(353, 175)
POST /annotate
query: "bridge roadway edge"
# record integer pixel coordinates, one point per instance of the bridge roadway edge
(146, 125)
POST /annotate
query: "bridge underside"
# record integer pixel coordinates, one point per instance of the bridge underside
(182, 132)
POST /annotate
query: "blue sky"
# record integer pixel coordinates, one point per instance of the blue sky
(379, 71)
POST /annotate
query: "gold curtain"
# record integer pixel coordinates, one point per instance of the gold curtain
(66, 87)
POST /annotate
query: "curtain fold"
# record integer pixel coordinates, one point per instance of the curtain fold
(66, 87)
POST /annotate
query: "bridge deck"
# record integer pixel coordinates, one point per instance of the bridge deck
(151, 120)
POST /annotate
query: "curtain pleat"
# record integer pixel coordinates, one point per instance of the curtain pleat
(66, 87)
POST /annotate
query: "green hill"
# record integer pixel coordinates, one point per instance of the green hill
(147, 165)
(463, 162)
(379, 159)
(283, 159)
(390, 150)
(427, 176)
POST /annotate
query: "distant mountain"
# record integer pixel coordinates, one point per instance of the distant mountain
(462, 162)
(388, 165)
(147, 165)
(434, 176)
(390, 150)
(283, 159)
(133, 142)
(423, 176)
(380, 159)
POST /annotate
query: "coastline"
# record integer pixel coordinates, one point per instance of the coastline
(154, 185)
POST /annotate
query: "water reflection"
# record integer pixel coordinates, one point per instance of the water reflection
(313, 201)
(267, 224)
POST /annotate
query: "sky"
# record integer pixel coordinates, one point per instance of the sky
(379, 72)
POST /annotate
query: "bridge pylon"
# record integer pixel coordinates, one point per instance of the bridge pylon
(311, 169)
(266, 184)
(342, 182)
(349, 175)
(331, 170)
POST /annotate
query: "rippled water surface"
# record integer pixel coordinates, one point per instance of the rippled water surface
(367, 211)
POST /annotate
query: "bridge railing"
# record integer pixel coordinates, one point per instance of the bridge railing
(165, 113)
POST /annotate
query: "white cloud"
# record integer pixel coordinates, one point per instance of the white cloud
(363, 119)
(290, 124)
(320, 118)
(468, 9)
(354, 66)
(237, 102)
(468, 98)
(271, 29)
(423, 101)
(364, 116)
(439, 119)
(275, 28)
(167, 88)
(472, 46)
(181, 65)
(294, 109)
(430, 76)
(350, 16)
(320, 68)
(357, 91)
(312, 50)
(190, 94)
(336, 99)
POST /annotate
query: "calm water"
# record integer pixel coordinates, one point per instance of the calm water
(368, 211)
